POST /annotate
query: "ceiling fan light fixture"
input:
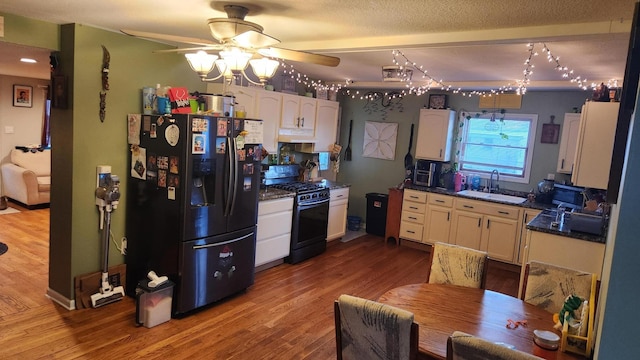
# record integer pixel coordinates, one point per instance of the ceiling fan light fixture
(264, 68)
(236, 59)
(201, 62)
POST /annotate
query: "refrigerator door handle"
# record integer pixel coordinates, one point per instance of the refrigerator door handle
(234, 160)
(196, 247)
(231, 176)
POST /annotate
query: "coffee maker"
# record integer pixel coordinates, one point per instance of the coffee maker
(426, 173)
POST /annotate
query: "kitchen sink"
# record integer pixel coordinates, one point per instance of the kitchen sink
(492, 196)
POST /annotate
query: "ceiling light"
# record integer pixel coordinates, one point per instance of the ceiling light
(396, 73)
(232, 62)
(28, 60)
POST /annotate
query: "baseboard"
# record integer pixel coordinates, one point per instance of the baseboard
(61, 300)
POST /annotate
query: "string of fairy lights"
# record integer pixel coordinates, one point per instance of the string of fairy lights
(428, 82)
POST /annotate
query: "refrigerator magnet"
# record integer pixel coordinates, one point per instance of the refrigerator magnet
(153, 133)
(174, 181)
(240, 142)
(163, 162)
(162, 178)
(236, 124)
(173, 164)
(160, 120)
(172, 134)
(171, 193)
(133, 135)
(220, 145)
(198, 144)
(247, 184)
(222, 127)
(138, 163)
(241, 154)
(247, 169)
(199, 125)
(152, 162)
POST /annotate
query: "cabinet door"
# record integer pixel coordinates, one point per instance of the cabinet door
(438, 226)
(269, 110)
(307, 113)
(290, 112)
(435, 134)
(466, 229)
(327, 121)
(499, 238)
(568, 143)
(527, 216)
(338, 203)
(595, 144)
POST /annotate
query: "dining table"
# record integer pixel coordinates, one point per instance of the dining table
(441, 309)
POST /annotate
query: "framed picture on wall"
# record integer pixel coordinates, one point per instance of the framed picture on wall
(22, 96)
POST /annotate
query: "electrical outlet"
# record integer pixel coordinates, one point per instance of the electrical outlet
(114, 279)
(123, 246)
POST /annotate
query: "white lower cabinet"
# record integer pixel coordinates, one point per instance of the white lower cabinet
(488, 227)
(438, 222)
(338, 203)
(274, 230)
(414, 206)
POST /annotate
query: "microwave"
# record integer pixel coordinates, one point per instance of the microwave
(426, 173)
(571, 196)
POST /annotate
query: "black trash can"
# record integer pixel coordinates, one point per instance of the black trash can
(377, 213)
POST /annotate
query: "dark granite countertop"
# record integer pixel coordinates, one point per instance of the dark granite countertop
(271, 193)
(543, 221)
(526, 204)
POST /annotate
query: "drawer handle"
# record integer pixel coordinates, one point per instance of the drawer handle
(479, 220)
(488, 221)
(503, 212)
(413, 208)
(339, 195)
(413, 197)
(413, 218)
(411, 232)
(448, 215)
(440, 201)
(467, 206)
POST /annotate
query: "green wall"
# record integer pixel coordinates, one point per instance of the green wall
(29, 32)
(81, 141)
(368, 175)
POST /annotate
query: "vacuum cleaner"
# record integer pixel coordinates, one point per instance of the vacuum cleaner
(107, 197)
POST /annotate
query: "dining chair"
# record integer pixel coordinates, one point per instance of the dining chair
(462, 346)
(457, 265)
(548, 286)
(367, 329)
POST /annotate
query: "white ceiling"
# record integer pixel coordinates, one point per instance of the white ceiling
(477, 44)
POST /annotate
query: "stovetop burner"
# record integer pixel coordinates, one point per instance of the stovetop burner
(298, 187)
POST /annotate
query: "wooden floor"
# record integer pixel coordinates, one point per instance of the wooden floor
(286, 314)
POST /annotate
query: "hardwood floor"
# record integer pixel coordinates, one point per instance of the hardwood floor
(286, 314)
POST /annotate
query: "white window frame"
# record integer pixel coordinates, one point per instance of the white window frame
(533, 126)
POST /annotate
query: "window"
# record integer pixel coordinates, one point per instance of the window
(491, 142)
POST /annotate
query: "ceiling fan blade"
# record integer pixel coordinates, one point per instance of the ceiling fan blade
(254, 39)
(178, 50)
(165, 37)
(301, 56)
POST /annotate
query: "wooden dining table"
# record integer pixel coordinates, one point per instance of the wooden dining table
(439, 310)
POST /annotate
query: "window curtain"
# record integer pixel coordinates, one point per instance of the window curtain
(45, 141)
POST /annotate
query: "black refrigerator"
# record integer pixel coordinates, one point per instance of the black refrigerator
(192, 201)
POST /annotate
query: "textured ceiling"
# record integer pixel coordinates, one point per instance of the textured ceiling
(470, 43)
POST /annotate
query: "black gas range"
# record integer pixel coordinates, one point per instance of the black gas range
(310, 213)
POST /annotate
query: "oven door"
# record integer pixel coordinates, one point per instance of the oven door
(310, 223)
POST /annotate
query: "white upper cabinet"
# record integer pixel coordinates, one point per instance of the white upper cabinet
(298, 112)
(326, 124)
(568, 143)
(435, 134)
(595, 144)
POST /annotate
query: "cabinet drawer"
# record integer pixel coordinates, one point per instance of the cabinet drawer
(339, 194)
(414, 207)
(273, 206)
(417, 196)
(471, 205)
(411, 231)
(274, 224)
(272, 249)
(508, 212)
(441, 200)
(413, 217)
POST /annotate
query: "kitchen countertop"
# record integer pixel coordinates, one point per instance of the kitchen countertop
(542, 223)
(271, 193)
(526, 204)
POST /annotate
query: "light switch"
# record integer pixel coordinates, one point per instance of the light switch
(8, 129)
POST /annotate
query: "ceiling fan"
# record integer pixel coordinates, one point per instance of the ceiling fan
(235, 32)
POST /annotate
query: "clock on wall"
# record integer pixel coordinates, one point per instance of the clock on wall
(437, 101)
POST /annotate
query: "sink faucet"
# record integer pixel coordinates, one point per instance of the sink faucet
(493, 188)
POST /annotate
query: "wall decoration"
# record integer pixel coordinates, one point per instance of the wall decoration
(22, 96)
(550, 132)
(106, 59)
(380, 140)
(59, 93)
(437, 101)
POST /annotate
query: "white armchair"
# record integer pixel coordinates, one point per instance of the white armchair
(27, 177)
